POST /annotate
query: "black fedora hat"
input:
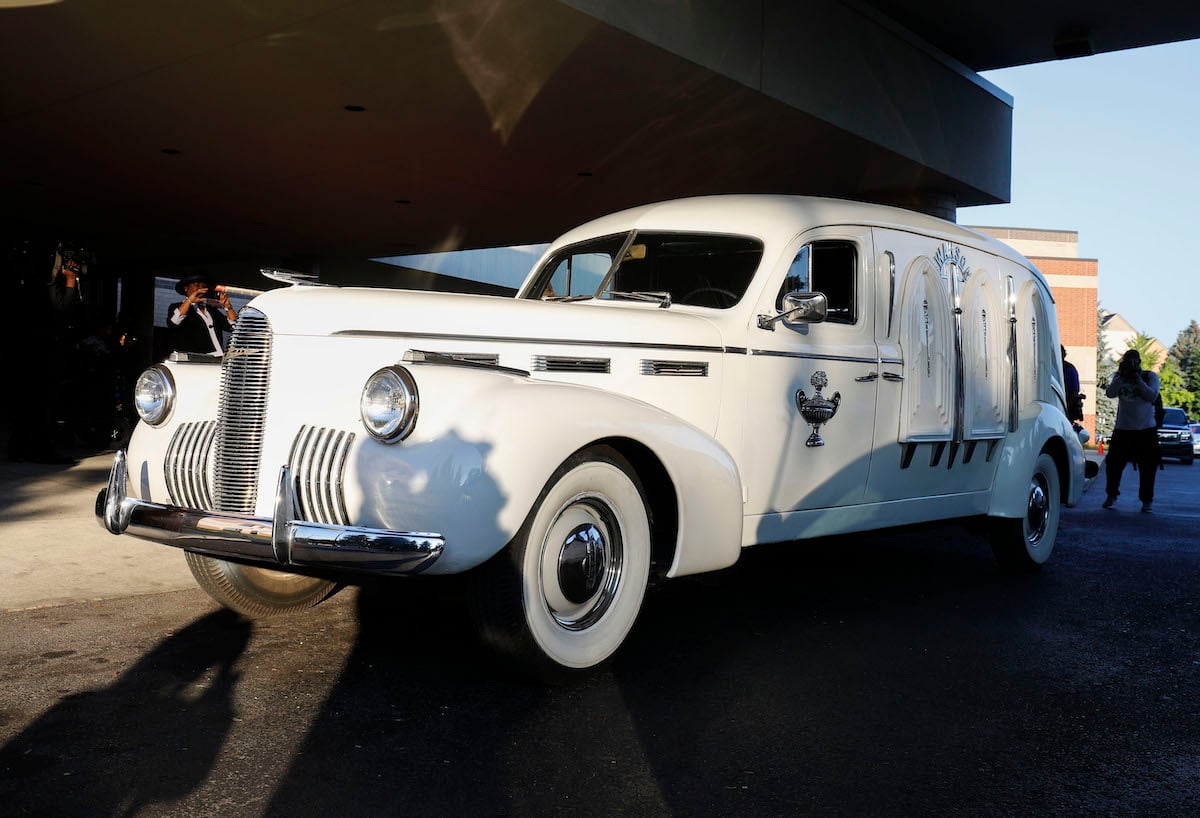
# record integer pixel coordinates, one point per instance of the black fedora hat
(202, 278)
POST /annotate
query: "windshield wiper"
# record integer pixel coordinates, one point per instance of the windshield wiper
(663, 299)
(566, 298)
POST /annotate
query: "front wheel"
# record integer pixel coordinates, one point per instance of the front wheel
(1025, 543)
(566, 592)
(257, 592)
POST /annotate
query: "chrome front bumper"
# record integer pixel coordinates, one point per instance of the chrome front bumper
(276, 542)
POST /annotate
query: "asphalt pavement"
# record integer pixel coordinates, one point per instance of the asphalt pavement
(895, 673)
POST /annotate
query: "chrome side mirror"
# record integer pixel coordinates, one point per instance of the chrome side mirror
(799, 308)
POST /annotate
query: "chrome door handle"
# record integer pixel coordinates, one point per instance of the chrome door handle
(868, 378)
(892, 376)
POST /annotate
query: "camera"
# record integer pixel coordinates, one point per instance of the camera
(75, 259)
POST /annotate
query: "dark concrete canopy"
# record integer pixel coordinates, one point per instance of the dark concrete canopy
(321, 129)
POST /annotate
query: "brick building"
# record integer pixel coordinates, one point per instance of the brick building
(1073, 282)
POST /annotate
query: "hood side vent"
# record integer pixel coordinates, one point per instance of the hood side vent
(557, 363)
(696, 369)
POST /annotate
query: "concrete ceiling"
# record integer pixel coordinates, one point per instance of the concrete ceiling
(232, 128)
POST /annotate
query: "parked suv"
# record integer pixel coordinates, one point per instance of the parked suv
(1175, 436)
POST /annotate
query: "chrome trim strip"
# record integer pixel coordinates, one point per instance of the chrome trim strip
(490, 360)
(274, 542)
(359, 333)
(808, 356)
(1013, 387)
(891, 289)
(960, 375)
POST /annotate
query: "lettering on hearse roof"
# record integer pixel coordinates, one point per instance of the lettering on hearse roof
(951, 254)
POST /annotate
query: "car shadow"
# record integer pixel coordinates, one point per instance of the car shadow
(160, 726)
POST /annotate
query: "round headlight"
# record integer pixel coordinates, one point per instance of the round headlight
(389, 404)
(154, 395)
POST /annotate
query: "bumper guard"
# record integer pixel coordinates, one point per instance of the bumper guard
(276, 542)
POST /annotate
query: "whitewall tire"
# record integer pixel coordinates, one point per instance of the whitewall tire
(567, 591)
(1025, 543)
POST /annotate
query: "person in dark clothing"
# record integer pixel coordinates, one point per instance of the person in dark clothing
(43, 333)
(1135, 435)
(1071, 383)
(196, 324)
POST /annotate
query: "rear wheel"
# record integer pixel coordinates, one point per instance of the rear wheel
(257, 592)
(564, 595)
(1025, 543)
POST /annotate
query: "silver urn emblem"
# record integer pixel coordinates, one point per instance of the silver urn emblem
(818, 409)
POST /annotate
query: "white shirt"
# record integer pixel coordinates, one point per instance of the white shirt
(178, 317)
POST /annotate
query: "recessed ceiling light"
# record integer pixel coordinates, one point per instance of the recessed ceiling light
(355, 108)
(172, 151)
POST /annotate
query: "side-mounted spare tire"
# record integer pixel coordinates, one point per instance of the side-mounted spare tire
(257, 592)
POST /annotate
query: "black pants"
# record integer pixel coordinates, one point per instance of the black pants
(1138, 446)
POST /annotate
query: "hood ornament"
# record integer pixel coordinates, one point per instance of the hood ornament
(818, 409)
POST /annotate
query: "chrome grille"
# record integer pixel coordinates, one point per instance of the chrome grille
(245, 377)
(318, 460)
(186, 466)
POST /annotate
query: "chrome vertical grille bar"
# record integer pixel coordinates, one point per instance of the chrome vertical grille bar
(186, 465)
(318, 459)
(245, 381)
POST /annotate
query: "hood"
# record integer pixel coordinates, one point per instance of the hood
(327, 311)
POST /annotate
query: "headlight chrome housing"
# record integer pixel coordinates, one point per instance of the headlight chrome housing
(154, 395)
(389, 404)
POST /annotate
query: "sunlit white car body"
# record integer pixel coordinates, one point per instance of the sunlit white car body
(945, 368)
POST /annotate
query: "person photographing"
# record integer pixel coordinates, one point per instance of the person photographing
(200, 322)
(1135, 435)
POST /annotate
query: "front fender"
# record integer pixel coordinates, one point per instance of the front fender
(1042, 427)
(486, 443)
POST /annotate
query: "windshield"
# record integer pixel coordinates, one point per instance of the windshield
(697, 269)
(1174, 417)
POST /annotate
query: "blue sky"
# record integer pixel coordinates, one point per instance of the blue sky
(1110, 146)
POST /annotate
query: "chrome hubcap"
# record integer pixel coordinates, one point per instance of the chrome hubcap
(581, 563)
(582, 558)
(1038, 512)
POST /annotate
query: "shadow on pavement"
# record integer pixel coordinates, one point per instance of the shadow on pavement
(158, 729)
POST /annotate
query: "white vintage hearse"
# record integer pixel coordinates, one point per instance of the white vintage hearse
(672, 384)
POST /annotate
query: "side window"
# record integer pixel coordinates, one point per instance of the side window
(829, 267)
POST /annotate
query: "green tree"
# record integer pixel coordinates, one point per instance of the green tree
(1186, 353)
(1106, 367)
(1144, 344)
(1172, 387)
